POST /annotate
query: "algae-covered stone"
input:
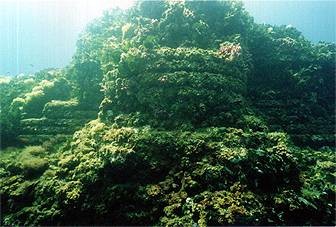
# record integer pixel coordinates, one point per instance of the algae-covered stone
(201, 108)
(44, 92)
(169, 87)
(70, 109)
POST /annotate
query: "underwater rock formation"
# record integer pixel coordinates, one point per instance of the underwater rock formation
(199, 116)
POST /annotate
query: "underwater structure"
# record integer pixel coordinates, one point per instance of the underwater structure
(174, 113)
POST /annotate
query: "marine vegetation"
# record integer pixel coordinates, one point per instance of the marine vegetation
(174, 113)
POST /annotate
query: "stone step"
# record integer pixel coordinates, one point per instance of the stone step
(39, 139)
(77, 114)
(61, 122)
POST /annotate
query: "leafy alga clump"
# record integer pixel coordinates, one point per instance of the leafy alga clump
(205, 118)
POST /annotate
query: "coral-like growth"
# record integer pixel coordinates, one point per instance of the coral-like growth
(186, 113)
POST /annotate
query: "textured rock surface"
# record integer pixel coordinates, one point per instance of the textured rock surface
(205, 118)
(59, 118)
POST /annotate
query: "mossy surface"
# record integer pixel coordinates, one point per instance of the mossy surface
(213, 176)
(176, 114)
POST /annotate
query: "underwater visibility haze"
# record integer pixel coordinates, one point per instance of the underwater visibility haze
(40, 34)
(173, 113)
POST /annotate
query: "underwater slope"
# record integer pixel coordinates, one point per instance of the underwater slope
(201, 117)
